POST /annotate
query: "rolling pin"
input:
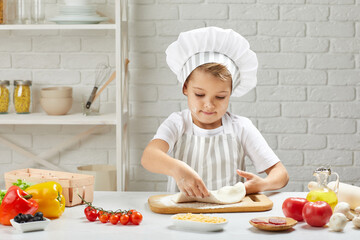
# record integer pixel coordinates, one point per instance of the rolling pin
(346, 193)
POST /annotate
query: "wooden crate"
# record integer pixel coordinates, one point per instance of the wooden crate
(72, 183)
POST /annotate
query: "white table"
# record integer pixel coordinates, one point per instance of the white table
(73, 224)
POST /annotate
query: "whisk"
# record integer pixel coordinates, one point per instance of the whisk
(101, 74)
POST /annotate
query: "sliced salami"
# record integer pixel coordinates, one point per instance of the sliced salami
(259, 221)
(277, 221)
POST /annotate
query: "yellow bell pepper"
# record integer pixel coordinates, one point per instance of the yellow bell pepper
(49, 197)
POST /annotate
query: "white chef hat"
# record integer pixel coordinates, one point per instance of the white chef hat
(214, 45)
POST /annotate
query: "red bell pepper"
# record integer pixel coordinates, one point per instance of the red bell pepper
(16, 201)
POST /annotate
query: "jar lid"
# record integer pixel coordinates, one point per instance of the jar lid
(4, 82)
(22, 82)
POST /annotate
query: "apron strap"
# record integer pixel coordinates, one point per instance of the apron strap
(226, 122)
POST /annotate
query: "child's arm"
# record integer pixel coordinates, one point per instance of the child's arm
(277, 177)
(155, 159)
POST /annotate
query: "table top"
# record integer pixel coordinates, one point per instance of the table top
(73, 224)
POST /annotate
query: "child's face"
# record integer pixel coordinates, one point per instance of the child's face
(208, 98)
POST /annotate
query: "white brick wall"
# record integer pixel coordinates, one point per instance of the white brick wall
(306, 103)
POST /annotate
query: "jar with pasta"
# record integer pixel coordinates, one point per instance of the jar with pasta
(2, 11)
(4, 96)
(22, 96)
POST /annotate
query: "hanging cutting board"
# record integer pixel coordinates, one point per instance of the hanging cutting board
(251, 203)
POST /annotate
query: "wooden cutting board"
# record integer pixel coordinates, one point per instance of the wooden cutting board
(251, 203)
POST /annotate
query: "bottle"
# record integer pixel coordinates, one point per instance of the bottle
(322, 192)
(4, 96)
(22, 96)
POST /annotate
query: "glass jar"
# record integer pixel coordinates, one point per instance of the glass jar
(22, 96)
(322, 192)
(2, 11)
(4, 96)
(23, 11)
(37, 11)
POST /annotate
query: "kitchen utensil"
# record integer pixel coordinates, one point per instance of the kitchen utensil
(102, 72)
(112, 77)
(272, 227)
(251, 203)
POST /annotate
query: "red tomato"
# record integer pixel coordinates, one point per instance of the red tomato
(317, 214)
(124, 219)
(91, 215)
(114, 219)
(104, 218)
(292, 207)
(136, 218)
(88, 208)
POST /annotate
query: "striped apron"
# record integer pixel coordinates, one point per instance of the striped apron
(214, 158)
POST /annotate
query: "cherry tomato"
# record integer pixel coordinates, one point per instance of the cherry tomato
(104, 218)
(88, 208)
(292, 207)
(91, 215)
(136, 218)
(132, 211)
(114, 219)
(317, 214)
(124, 219)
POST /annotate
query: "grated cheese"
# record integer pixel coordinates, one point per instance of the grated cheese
(199, 218)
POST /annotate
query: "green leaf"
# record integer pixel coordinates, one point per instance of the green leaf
(2, 195)
(22, 184)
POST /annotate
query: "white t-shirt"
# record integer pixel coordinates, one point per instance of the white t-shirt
(253, 143)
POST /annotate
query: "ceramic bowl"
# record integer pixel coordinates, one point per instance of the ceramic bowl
(56, 106)
(56, 92)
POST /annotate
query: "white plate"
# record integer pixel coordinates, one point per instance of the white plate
(198, 226)
(78, 19)
(30, 226)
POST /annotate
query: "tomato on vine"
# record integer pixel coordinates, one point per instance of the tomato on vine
(136, 218)
(124, 219)
(91, 214)
(104, 218)
(114, 219)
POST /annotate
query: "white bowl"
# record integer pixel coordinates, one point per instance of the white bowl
(30, 226)
(56, 92)
(56, 106)
(197, 226)
(76, 2)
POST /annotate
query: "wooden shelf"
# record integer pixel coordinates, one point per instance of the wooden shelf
(70, 119)
(50, 26)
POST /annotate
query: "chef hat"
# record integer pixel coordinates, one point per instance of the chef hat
(214, 45)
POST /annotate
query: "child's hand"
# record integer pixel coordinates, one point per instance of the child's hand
(253, 182)
(189, 182)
